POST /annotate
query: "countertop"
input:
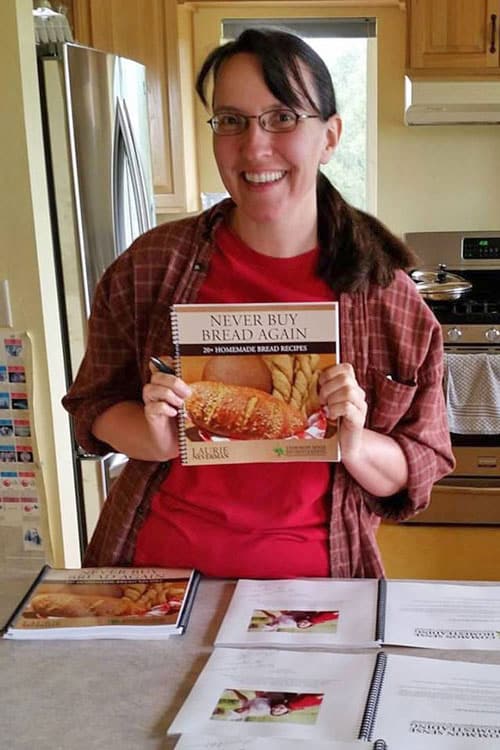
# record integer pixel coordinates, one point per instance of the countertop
(102, 694)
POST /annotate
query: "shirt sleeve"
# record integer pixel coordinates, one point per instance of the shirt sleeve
(109, 372)
(407, 398)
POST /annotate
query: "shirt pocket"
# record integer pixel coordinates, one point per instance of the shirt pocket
(390, 399)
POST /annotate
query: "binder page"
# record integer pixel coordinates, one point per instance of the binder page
(438, 704)
(195, 742)
(443, 615)
(269, 693)
(301, 613)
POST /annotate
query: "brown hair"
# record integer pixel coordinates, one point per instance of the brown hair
(355, 248)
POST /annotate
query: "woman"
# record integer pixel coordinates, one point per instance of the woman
(285, 235)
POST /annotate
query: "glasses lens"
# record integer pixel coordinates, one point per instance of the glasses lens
(228, 123)
(279, 120)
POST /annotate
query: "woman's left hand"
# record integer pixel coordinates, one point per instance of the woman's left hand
(343, 397)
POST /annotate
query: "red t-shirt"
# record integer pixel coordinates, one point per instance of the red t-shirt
(245, 520)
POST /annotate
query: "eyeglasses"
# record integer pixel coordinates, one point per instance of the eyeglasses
(273, 121)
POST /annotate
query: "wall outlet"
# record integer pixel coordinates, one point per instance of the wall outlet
(5, 308)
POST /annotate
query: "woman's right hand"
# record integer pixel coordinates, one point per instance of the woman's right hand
(164, 395)
(146, 431)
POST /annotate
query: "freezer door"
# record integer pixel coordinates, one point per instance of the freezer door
(98, 474)
(111, 156)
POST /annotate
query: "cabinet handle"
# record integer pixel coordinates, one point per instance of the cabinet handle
(493, 33)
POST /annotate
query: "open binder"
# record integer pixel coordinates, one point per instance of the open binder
(327, 613)
(410, 702)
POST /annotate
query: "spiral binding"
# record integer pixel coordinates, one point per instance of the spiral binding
(178, 371)
(381, 609)
(370, 714)
(379, 745)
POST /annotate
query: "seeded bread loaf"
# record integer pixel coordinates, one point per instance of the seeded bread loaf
(241, 412)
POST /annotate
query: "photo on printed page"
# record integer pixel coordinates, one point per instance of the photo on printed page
(268, 706)
(294, 621)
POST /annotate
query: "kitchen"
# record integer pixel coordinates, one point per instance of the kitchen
(451, 182)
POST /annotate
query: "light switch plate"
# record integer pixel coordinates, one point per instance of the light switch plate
(5, 308)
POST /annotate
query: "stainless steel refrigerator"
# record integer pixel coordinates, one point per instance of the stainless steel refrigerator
(96, 134)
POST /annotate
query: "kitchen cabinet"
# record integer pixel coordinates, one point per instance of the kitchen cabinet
(446, 37)
(468, 553)
(157, 34)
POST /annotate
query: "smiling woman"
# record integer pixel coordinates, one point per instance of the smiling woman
(285, 235)
(348, 47)
(268, 158)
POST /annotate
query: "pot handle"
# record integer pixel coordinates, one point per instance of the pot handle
(441, 274)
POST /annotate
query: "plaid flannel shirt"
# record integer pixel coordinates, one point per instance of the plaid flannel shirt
(382, 332)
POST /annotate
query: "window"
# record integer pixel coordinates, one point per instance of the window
(348, 47)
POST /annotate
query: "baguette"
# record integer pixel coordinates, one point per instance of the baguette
(241, 412)
(76, 605)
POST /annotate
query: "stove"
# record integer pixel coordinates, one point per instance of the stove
(470, 326)
(475, 317)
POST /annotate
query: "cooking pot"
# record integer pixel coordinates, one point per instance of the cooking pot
(438, 284)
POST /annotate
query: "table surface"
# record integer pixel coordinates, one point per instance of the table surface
(102, 694)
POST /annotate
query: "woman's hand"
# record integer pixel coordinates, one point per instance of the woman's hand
(375, 461)
(164, 395)
(148, 430)
(343, 397)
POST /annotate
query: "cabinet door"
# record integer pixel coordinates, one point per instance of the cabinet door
(147, 31)
(453, 35)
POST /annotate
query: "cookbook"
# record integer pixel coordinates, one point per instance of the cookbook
(253, 370)
(410, 702)
(88, 603)
(362, 613)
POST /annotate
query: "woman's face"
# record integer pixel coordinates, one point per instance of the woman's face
(270, 176)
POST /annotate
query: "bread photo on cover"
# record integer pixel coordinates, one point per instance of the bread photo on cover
(241, 412)
(81, 605)
(245, 369)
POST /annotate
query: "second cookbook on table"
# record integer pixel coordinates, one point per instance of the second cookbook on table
(253, 370)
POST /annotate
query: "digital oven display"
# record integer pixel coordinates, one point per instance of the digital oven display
(481, 248)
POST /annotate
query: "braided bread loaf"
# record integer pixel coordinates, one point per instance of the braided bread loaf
(295, 380)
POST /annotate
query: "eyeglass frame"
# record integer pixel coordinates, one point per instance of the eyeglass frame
(246, 120)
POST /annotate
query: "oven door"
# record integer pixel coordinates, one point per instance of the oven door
(471, 494)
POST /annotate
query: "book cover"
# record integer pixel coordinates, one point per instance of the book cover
(253, 370)
(105, 603)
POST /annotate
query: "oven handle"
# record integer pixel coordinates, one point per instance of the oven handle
(477, 349)
(472, 486)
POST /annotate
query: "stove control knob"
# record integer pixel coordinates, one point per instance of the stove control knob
(493, 335)
(454, 334)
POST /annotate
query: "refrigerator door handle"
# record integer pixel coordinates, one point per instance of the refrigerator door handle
(98, 474)
(128, 183)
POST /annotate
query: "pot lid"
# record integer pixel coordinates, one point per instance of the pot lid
(438, 279)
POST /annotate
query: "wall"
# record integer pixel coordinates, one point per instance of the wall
(26, 260)
(429, 178)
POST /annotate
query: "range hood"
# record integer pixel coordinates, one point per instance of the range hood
(452, 102)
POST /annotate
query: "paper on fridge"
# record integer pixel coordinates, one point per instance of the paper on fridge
(325, 613)
(253, 371)
(410, 702)
(105, 603)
